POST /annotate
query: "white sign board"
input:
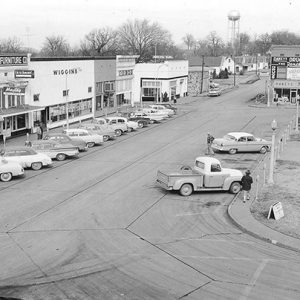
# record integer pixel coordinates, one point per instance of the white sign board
(293, 73)
(276, 211)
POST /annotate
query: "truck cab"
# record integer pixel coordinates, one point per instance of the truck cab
(206, 175)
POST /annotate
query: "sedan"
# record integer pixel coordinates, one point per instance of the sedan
(27, 157)
(142, 121)
(240, 142)
(8, 170)
(65, 139)
(54, 149)
(131, 125)
(106, 132)
(79, 133)
(214, 92)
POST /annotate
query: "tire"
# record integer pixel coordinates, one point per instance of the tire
(186, 168)
(263, 150)
(5, 177)
(118, 132)
(61, 156)
(141, 124)
(232, 151)
(186, 190)
(36, 166)
(235, 188)
(105, 138)
(90, 144)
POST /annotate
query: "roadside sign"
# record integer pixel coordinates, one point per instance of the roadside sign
(276, 211)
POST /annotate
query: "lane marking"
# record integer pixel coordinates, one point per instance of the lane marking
(253, 280)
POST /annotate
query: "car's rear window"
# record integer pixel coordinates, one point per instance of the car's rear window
(229, 137)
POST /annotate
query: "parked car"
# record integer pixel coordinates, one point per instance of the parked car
(131, 116)
(107, 133)
(119, 128)
(8, 170)
(206, 175)
(65, 139)
(234, 142)
(54, 149)
(169, 106)
(153, 114)
(131, 125)
(214, 92)
(90, 139)
(162, 109)
(26, 157)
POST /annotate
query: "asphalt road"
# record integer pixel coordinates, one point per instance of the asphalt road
(98, 227)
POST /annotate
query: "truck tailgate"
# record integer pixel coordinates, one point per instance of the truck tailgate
(163, 180)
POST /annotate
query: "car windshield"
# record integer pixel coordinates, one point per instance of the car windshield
(229, 137)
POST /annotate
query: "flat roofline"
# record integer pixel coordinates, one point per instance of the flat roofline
(69, 58)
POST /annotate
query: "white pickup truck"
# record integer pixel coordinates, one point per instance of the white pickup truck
(206, 175)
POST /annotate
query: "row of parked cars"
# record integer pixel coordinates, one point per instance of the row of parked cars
(68, 143)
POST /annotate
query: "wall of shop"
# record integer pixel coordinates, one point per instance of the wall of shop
(62, 81)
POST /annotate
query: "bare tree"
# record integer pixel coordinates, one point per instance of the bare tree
(102, 41)
(55, 46)
(215, 44)
(189, 40)
(10, 45)
(139, 37)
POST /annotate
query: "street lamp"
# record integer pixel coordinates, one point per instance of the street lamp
(297, 114)
(273, 126)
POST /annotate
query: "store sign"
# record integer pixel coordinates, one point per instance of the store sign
(281, 84)
(72, 71)
(289, 62)
(276, 211)
(13, 91)
(24, 74)
(125, 72)
(6, 60)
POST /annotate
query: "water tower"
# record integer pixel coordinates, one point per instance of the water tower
(234, 28)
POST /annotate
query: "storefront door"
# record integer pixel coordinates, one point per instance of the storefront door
(293, 96)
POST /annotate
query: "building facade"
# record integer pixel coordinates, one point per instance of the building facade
(285, 73)
(72, 89)
(16, 112)
(156, 82)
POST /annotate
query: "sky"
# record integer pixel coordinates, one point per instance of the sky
(31, 21)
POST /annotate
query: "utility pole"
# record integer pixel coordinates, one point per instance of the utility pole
(202, 73)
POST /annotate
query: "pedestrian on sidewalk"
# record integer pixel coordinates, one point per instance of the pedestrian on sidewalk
(210, 139)
(39, 131)
(246, 185)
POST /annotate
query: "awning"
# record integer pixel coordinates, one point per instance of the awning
(14, 111)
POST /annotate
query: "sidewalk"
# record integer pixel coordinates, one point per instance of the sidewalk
(240, 214)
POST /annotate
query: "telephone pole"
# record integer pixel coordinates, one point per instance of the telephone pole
(202, 73)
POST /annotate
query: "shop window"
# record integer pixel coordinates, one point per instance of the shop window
(11, 101)
(65, 93)
(89, 89)
(21, 121)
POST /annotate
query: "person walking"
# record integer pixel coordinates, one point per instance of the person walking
(39, 131)
(210, 139)
(246, 185)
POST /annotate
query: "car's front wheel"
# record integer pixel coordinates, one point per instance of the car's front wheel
(5, 177)
(232, 151)
(235, 188)
(186, 190)
(105, 138)
(263, 150)
(61, 156)
(90, 144)
(36, 166)
(141, 124)
(118, 132)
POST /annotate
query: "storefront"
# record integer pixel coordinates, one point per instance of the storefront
(156, 82)
(124, 79)
(72, 88)
(285, 73)
(16, 115)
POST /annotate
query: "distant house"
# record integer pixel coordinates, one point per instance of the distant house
(252, 62)
(215, 64)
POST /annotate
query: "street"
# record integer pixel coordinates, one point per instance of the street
(98, 227)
